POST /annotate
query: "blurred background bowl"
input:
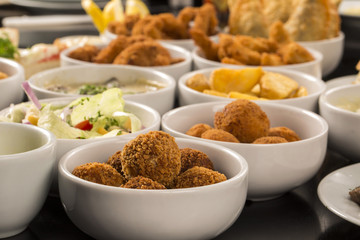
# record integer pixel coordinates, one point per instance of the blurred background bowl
(162, 100)
(313, 85)
(344, 131)
(274, 169)
(312, 68)
(10, 88)
(332, 50)
(175, 70)
(27, 160)
(106, 212)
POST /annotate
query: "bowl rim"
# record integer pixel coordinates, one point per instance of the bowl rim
(170, 47)
(233, 145)
(339, 38)
(318, 58)
(19, 70)
(50, 141)
(320, 83)
(168, 79)
(148, 109)
(325, 103)
(240, 176)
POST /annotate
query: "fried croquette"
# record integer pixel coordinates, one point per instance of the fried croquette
(285, 132)
(270, 140)
(140, 182)
(219, 135)
(192, 157)
(86, 53)
(198, 176)
(198, 129)
(115, 161)
(243, 119)
(99, 173)
(154, 155)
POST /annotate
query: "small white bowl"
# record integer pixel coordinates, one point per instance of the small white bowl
(274, 169)
(10, 88)
(312, 67)
(106, 212)
(175, 70)
(314, 86)
(332, 50)
(149, 117)
(27, 160)
(161, 100)
(344, 131)
(188, 44)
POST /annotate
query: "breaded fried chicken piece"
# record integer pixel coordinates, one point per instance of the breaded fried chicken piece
(86, 53)
(147, 53)
(172, 28)
(192, 157)
(198, 176)
(186, 15)
(285, 132)
(154, 155)
(209, 48)
(219, 135)
(141, 182)
(206, 19)
(243, 119)
(270, 140)
(115, 161)
(149, 26)
(198, 129)
(109, 53)
(293, 53)
(99, 173)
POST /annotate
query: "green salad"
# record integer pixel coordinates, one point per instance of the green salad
(101, 115)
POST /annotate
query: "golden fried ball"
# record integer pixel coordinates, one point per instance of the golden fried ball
(219, 135)
(198, 129)
(115, 161)
(285, 132)
(192, 157)
(140, 182)
(270, 140)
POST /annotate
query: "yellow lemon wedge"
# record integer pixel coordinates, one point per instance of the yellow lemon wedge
(113, 11)
(136, 7)
(95, 13)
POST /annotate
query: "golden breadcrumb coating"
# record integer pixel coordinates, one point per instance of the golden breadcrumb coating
(284, 132)
(115, 161)
(198, 129)
(99, 173)
(192, 157)
(198, 176)
(140, 182)
(270, 140)
(154, 155)
(219, 135)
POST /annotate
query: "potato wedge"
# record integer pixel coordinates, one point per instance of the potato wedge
(277, 86)
(215, 93)
(239, 95)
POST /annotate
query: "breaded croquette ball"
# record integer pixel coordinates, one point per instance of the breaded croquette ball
(270, 140)
(154, 155)
(284, 132)
(198, 176)
(219, 135)
(198, 129)
(192, 157)
(141, 182)
(99, 173)
(115, 161)
(243, 119)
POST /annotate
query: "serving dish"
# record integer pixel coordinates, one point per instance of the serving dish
(340, 81)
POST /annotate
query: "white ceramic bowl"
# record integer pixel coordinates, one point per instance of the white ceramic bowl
(331, 49)
(188, 44)
(314, 86)
(312, 68)
(273, 168)
(344, 131)
(161, 100)
(148, 116)
(175, 70)
(27, 159)
(10, 88)
(106, 212)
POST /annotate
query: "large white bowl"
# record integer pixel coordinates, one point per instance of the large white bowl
(10, 88)
(344, 131)
(332, 50)
(27, 159)
(273, 168)
(161, 100)
(312, 67)
(175, 70)
(106, 212)
(314, 86)
(188, 44)
(149, 117)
